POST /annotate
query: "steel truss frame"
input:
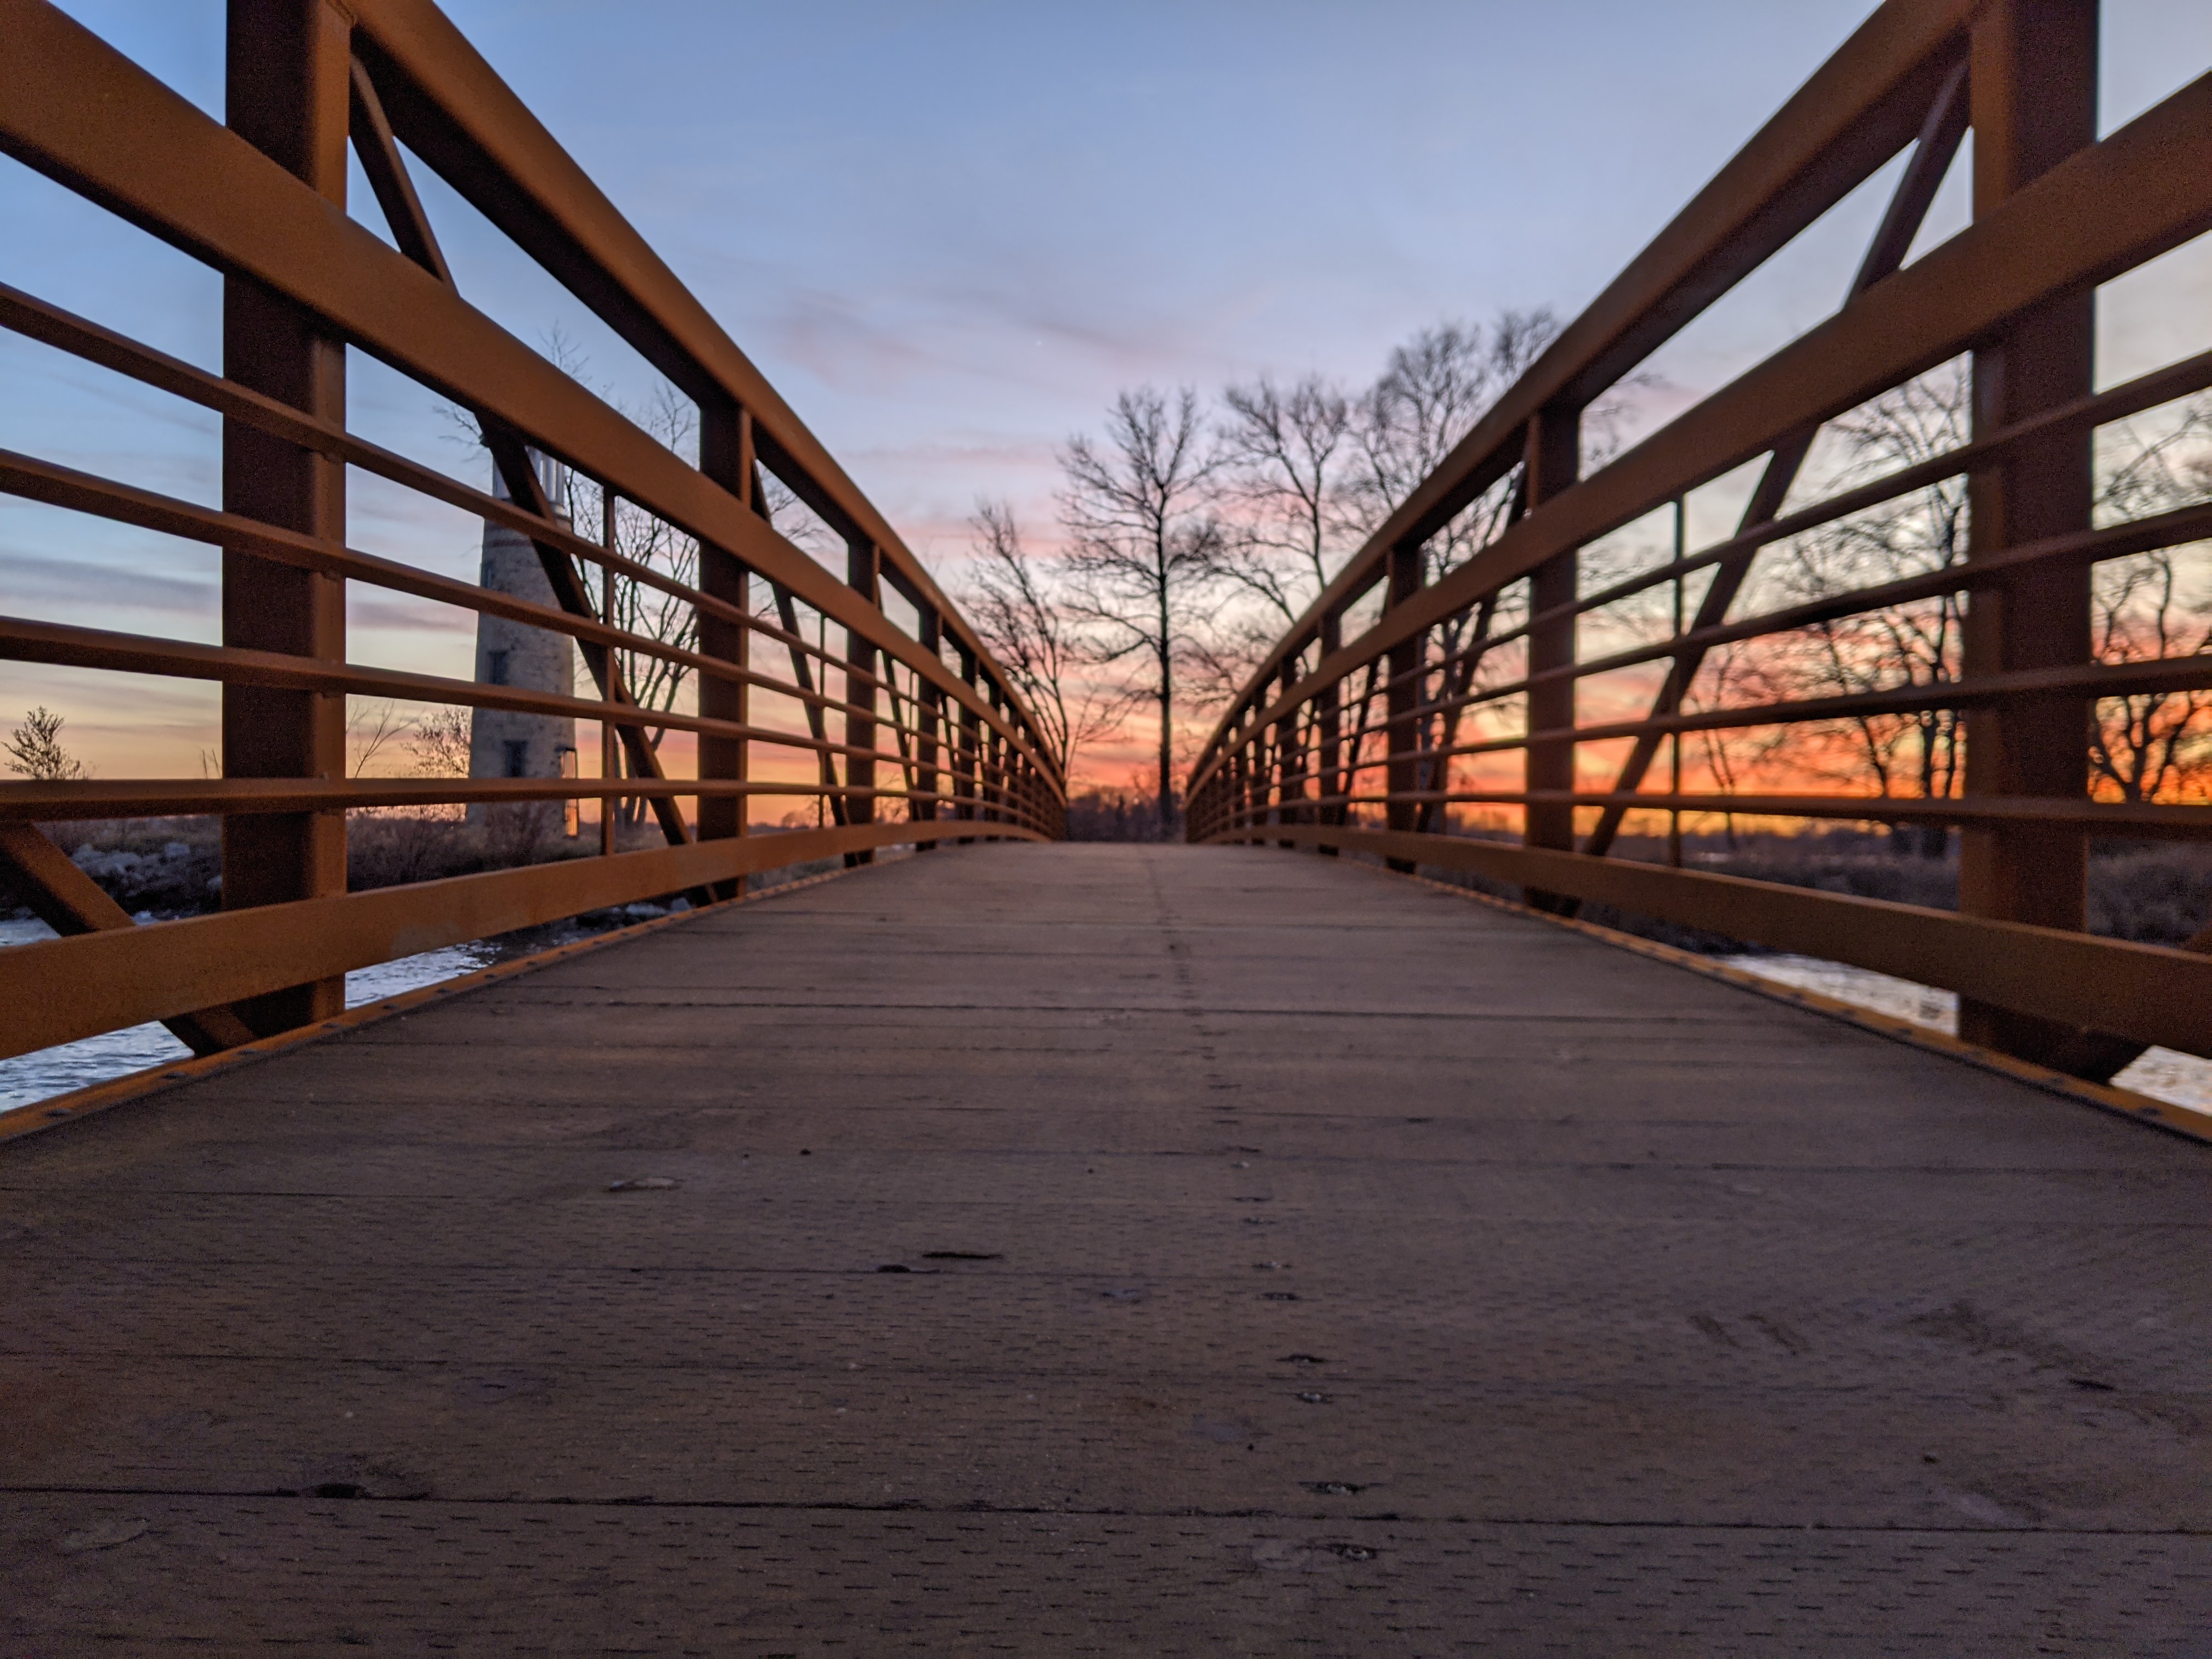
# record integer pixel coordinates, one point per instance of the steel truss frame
(2056, 212)
(260, 198)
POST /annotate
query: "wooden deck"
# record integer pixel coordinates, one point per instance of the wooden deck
(1107, 1249)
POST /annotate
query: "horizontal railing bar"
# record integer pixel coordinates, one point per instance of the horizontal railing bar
(2151, 677)
(61, 990)
(2157, 676)
(2118, 541)
(2142, 190)
(50, 324)
(2152, 819)
(67, 646)
(2160, 674)
(2161, 387)
(2133, 397)
(2183, 525)
(129, 798)
(1820, 146)
(40, 480)
(2151, 992)
(152, 158)
(46, 482)
(541, 192)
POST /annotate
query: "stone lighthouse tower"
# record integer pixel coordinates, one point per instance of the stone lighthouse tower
(503, 743)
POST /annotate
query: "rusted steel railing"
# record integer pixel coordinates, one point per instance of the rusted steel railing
(1367, 743)
(933, 743)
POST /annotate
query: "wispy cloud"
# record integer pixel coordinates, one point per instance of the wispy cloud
(35, 578)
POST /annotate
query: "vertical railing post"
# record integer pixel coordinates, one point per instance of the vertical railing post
(863, 576)
(1269, 802)
(1553, 461)
(287, 92)
(726, 456)
(1290, 758)
(1240, 804)
(928, 709)
(998, 757)
(609, 743)
(967, 763)
(2033, 83)
(1402, 696)
(1253, 800)
(1674, 739)
(1329, 706)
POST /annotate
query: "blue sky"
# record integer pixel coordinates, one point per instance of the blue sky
(951, 232)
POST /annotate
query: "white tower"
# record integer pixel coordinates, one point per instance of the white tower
(503, 743)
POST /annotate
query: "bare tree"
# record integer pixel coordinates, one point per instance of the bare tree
(372, 725)
(1285, 460)
(439, 744)
(1921, 752)
(639, 535)
(35, 751)
(1143, 547)
(1431, 393)
(1282, 481)
(644, 539)
(1028, 631)
(2142, 608)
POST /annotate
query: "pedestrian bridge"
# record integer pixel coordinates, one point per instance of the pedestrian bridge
(992, 1243)
(1108, 1249)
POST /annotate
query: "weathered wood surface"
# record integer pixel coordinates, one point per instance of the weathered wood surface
(1300, 1259)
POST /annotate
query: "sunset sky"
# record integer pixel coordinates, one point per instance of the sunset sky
(949, 233)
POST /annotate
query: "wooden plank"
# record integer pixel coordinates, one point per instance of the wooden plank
(1297, 1259)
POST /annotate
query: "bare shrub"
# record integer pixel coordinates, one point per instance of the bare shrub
(35, 751)
(1132, 814)
(391, 848)
(440, 745)
(2153, 895)
(517, 833)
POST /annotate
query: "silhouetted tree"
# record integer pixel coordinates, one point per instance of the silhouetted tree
(1428, 397)
(1285, 477)
(35, 750)
(1143, 546)
(1923, 752)
(1011, 606)
(2150, 606)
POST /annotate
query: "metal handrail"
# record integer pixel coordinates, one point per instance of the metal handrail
(257, 201)
(1304, 757)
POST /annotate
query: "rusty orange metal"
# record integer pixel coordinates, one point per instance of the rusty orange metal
(2057, 211)
(260, 199)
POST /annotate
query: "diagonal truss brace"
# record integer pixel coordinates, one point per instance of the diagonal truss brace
(788, 613)
(388, 177)
(71, 902)
(1938, 143)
